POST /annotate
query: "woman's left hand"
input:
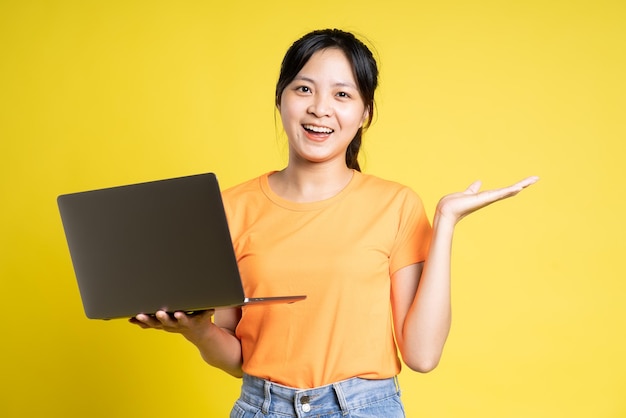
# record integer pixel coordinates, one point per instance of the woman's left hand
(456, 206)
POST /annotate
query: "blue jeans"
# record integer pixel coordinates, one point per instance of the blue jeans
(352, 398)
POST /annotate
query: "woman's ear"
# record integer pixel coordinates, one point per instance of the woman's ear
(366, 115)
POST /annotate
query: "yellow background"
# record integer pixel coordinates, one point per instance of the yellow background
(95, 94)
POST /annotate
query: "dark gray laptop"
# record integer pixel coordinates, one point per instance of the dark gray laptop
(160, 245)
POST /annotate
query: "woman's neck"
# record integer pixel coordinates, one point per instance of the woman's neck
(310, 183)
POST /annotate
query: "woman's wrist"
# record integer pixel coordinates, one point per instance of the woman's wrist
(444, 222)
(200, 336)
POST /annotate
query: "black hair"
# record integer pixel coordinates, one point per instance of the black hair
(363, 65)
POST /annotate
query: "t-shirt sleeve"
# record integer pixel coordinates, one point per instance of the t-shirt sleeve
(414, 233)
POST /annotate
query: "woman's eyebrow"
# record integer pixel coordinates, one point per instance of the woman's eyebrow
(345, 84)
(336, 84)
(303, 78)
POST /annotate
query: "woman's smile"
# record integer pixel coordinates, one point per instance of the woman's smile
(317, 133)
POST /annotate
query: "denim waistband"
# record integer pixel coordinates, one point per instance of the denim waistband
(350, 394)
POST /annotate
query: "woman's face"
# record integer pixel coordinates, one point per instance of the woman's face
(322, 109)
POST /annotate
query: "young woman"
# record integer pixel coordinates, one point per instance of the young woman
(376, 274)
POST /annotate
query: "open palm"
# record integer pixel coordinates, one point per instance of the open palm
(456, 206)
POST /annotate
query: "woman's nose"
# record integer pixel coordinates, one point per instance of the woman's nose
(321, 106)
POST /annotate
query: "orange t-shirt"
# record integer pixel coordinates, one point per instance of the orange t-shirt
(340, 252)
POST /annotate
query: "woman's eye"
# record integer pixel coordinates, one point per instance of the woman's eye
(343, 94)
(303, 89)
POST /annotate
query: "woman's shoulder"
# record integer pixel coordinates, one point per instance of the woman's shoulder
(249, 186)
(393, 197)
(237, 199)
(384, 187)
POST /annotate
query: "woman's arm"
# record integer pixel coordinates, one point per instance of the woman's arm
(420, 293)
(215, 340)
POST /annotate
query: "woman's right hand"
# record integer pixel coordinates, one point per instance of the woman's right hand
(216, 341)
(192, 326)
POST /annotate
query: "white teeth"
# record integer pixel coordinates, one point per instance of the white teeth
(318, 129)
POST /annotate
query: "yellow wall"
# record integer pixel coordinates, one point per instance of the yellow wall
(95, 94)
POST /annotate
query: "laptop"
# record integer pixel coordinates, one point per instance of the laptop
(159, 245)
